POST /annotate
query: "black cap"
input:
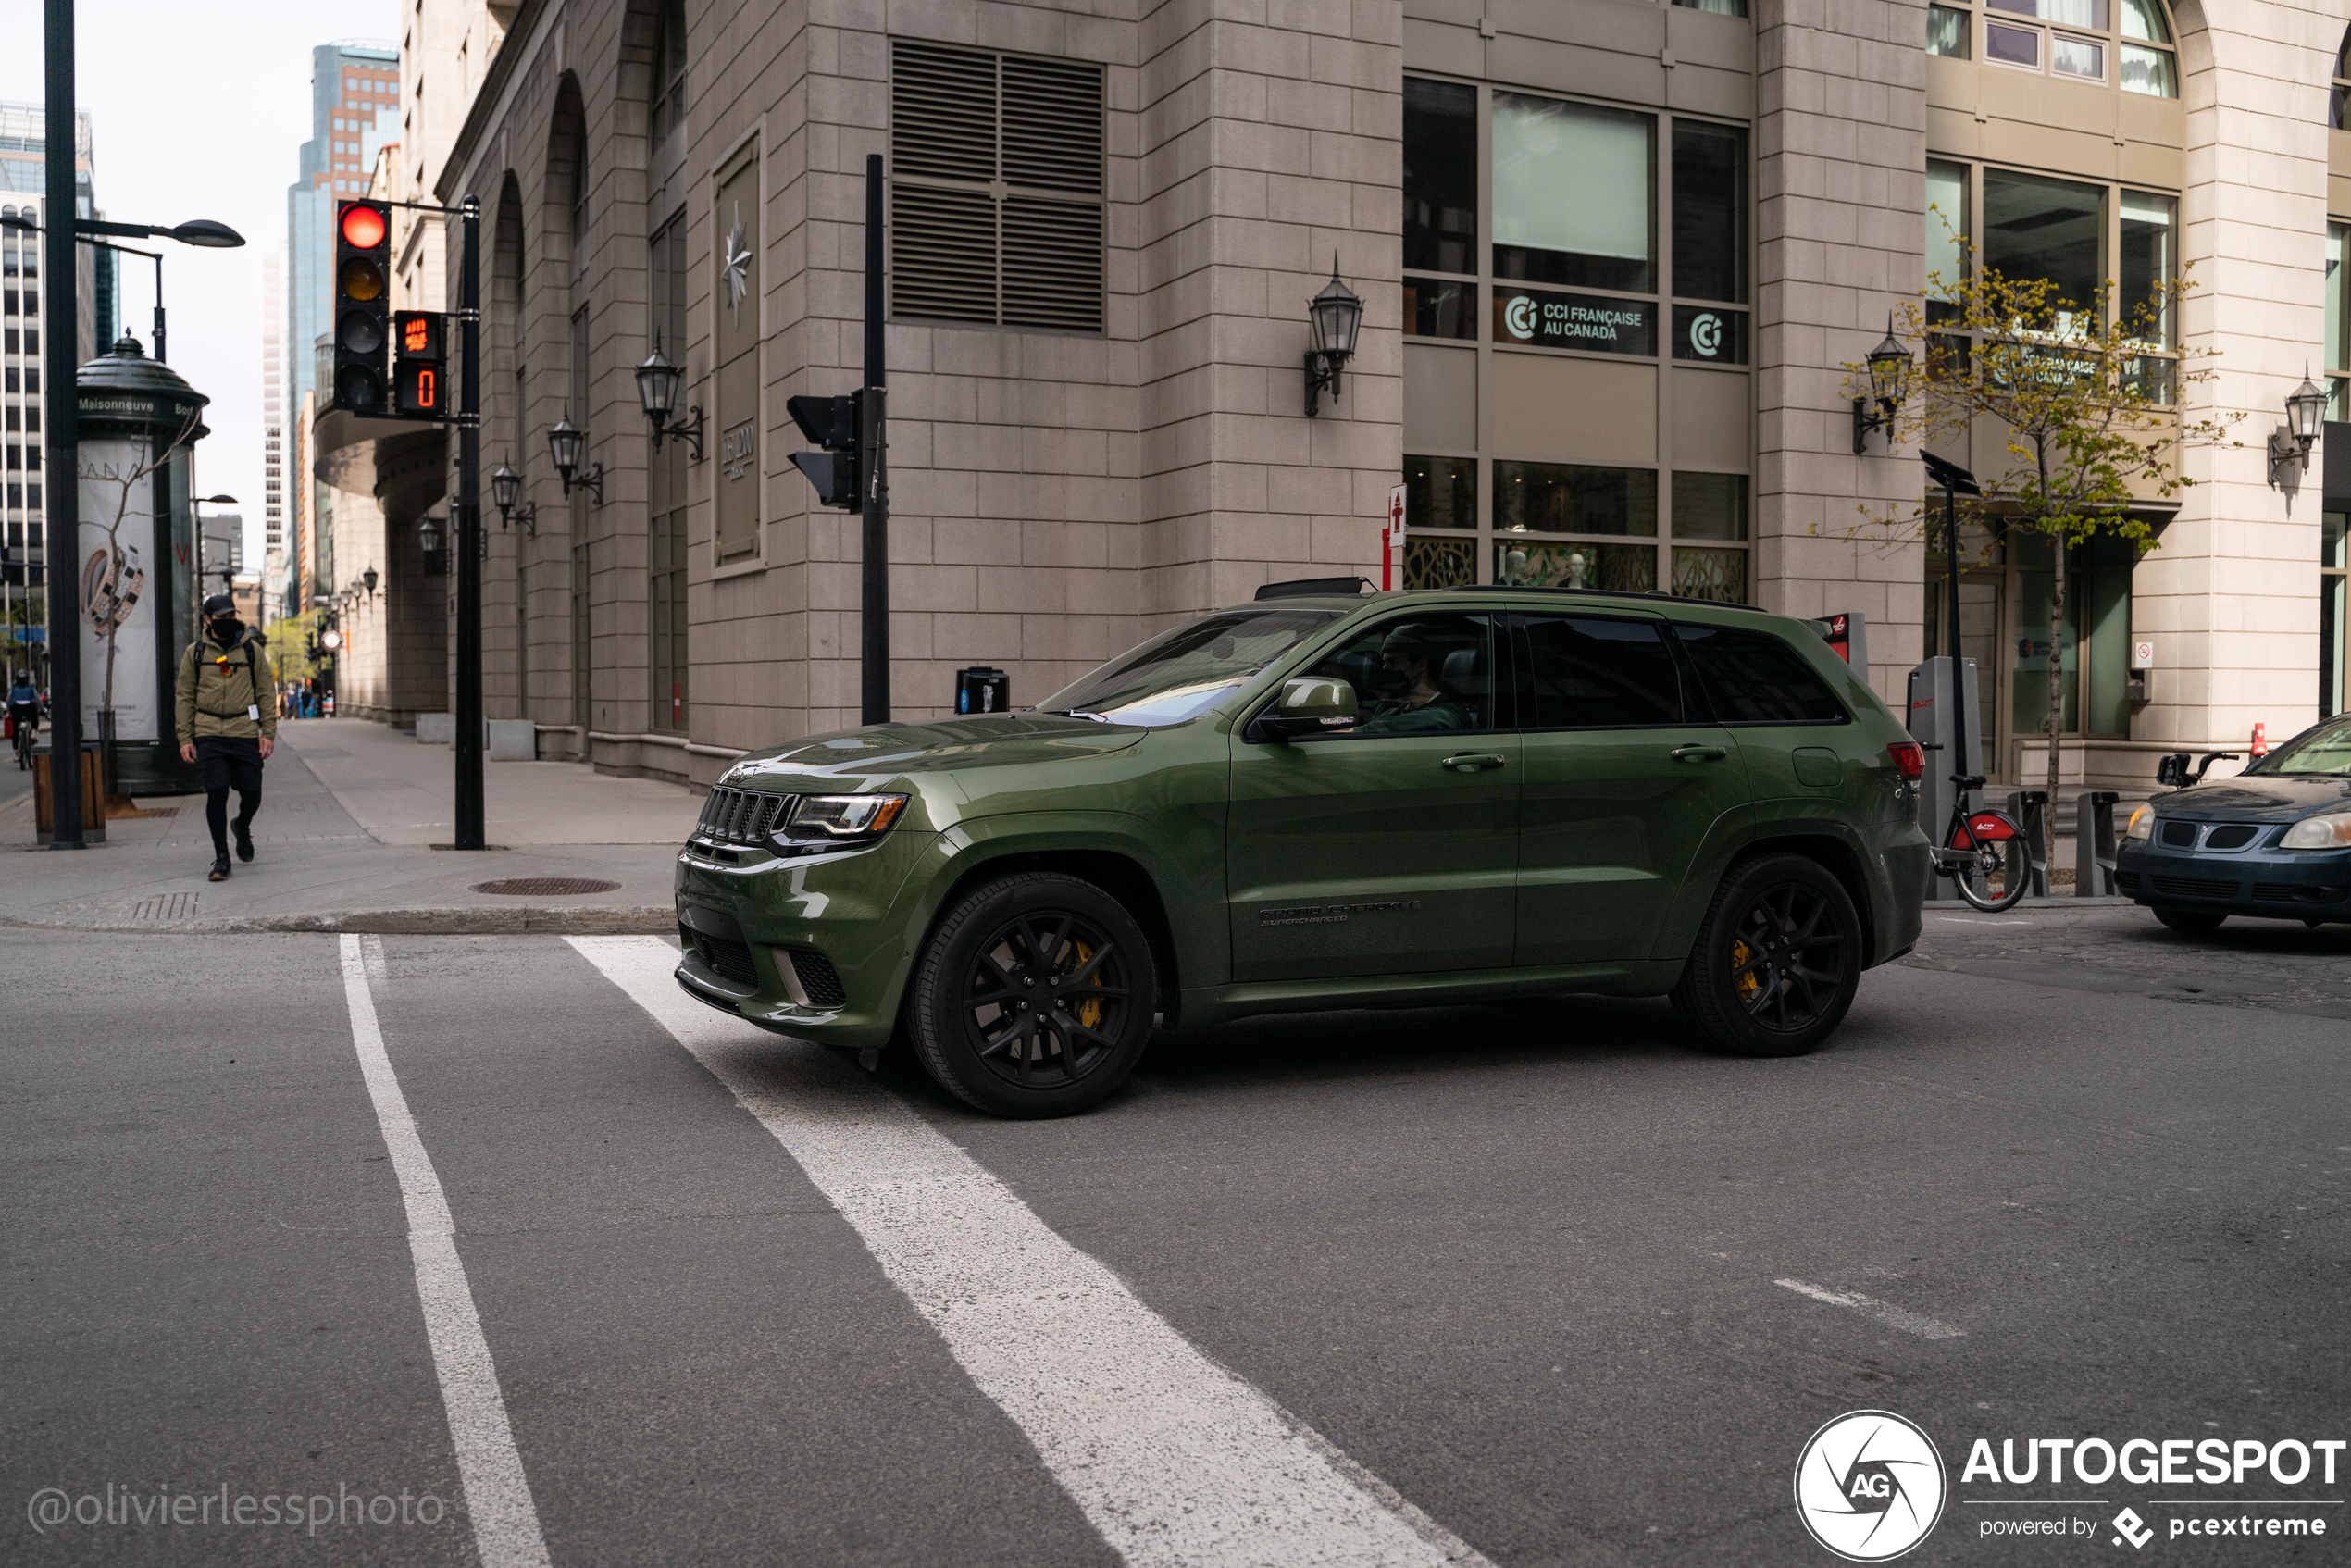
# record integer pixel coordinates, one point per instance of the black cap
(218, 606)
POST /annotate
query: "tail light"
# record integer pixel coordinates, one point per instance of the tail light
(1910, 758)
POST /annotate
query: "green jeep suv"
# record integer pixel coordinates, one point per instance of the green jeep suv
(1325, 800)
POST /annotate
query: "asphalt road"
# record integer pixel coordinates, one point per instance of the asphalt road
(1574, 1291)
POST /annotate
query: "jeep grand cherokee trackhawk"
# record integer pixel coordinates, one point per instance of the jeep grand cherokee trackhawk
(1325, 800)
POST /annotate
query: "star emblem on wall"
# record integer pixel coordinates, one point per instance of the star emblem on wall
(738, 265)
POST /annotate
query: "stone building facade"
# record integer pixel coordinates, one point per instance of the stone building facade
(1615, 258)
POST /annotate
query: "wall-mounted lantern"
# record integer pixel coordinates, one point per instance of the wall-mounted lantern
(1333, 318)
(566, 444)
(2290, 444)
(505, 491)
(657, 383)
(1889, 366)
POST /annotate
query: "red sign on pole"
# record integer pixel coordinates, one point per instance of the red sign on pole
(1391, 553)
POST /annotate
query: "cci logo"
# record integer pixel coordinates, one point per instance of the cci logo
(1870, 1486)
(1519, 316)
(1705, 334)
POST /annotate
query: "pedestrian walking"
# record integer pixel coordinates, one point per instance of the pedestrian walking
(227, 710)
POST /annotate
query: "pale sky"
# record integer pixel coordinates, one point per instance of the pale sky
(198, 109)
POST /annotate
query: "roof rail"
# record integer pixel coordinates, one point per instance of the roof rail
(1601, 593)
(1299, 587)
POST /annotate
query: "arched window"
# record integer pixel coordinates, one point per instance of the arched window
(2124, 43)
(2340, 97)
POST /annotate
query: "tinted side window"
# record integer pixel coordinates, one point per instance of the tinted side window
(1589, 673)
(1423, 675)
(1756, 679)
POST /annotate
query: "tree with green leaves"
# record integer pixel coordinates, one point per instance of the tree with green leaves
(2079, 401)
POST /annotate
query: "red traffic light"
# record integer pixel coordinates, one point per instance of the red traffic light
(364, 227)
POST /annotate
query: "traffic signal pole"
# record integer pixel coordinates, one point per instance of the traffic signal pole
(62, 491)
(874, 643)
(469, 540)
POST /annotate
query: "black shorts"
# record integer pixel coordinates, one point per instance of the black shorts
(230, 762)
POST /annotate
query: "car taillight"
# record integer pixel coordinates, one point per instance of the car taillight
(1910, 758)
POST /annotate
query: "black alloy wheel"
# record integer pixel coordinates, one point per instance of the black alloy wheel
(1777, 960)
(1033, 996)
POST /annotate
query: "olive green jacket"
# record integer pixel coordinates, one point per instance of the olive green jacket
(216, 691)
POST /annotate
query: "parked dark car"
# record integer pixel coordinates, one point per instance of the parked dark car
(2275, 842)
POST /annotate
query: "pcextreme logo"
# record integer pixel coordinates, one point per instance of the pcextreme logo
(1870, 1486)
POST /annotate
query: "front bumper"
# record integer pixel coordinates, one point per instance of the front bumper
(2273, 884)
(815, 946)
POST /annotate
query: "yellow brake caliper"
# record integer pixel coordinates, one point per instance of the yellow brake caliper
(1751, 982)
(1088, 1011)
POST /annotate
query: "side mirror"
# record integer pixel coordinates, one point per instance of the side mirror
(2172, 771)
(1311, 705)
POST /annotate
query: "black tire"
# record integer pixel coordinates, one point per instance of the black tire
(1033, 996)
(1777, 960)
(2190, 922)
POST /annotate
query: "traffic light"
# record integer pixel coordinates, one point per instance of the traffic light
(833, 423)
(419, 372)
(363, 304)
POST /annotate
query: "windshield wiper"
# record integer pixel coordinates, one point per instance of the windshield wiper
(1081, 713)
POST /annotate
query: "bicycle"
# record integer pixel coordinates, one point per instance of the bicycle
(26, 729)
(1985, 852)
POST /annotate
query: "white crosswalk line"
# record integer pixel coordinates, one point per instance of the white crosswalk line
(498, 1500)
(1173, 1458)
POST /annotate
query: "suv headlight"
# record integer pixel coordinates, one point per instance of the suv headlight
(833, 821)
(2141, 823)
(2330, 832)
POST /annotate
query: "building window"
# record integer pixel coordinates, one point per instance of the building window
(2339, 98)
(1561, 296)
(669, 73)
(996, 187)
(2334, 568)
(2338, 352)
(2124, 43)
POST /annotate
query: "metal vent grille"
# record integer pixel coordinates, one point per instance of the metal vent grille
(996, 191)
(2195, 888)
(741, 816)
(2231, 835)
(2179, 835)
(818, 979)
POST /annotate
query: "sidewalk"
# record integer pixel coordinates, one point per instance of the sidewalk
(350, 813)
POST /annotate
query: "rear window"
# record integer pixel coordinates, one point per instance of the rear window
(1754, 677)
(1591, 673)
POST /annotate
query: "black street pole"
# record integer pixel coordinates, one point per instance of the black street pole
(62, 498)
(874, 615)
(1959, 671)
(469, 540)
(159, 353)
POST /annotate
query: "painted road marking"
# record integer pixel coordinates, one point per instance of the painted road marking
(1173, 1458)
(1891, 1316)
(497, 1495)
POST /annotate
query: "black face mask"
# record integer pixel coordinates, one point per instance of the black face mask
(226, 630)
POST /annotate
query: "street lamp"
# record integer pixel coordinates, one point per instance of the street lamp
(1333, 318)
(1889, 367)
(370, 578)
(657, 382)
(506, 491)
(429, 535)
(565, 443)
(204, 233)
(2305, 411)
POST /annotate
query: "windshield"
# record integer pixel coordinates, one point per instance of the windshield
(2324, 752)
(1189, 670)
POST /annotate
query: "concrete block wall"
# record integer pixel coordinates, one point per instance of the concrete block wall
(1840, 142)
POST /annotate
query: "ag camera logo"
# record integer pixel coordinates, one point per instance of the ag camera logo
(1870, 1486)
(1519, 318)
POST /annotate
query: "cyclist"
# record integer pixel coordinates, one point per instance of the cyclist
(24, 716)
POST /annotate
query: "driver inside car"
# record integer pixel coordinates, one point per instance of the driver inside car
(1425, 704)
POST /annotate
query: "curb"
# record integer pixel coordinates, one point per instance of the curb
(578, 921)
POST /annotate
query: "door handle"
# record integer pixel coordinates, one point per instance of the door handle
(1474, 762)
(1700, 754)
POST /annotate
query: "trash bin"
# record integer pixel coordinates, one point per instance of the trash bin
(980, 690)
(2093, 843)
(93, 799)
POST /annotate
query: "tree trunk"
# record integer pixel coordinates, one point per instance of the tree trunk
(2048, 847)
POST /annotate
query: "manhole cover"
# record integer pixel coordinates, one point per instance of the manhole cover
(544, 887)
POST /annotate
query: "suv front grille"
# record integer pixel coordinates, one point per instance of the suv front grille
(741, 816)
(726, 959)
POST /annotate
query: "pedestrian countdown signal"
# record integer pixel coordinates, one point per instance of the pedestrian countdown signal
(419, 372)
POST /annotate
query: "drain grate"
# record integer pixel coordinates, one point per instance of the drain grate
(545, 886)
